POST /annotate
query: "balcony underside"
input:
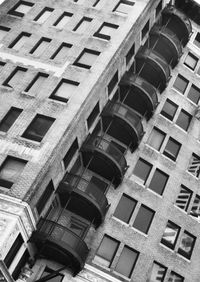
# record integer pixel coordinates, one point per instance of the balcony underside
(138, 94)
(69, 251)
(83, 204)
(165, 43)
(153, 68)
(178, 23)
(103, 164)
(123, 130)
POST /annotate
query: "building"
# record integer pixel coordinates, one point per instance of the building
(99, 140)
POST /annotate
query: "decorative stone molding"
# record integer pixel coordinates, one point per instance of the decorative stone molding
(15, 217)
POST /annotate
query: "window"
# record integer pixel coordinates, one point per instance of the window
(86, 59)
(17, 75)
(127, 261)
(169, 109)
(197, 40)
(63, 20)
(172, 149)
(123, 7)
(36, 83)
(45, 197)
(23, 260)
(194, 94)
(184, 197)
(58, 278)
(125, 208)
(186, 245)
(106, 30)
(106, 251)
(158, 8)
(191, 61)
(9, 119)
(143, 219)
(174, 277)
(13, 250)
(43, 15)
(158, 272)
(130, 53)
(170, 235)
(61, 52)
(40, 46)
(194, 165)
(158, 181)
(142, 169)
(145, 29)
(181, 84)
(10, 171)
(95, 3)
(93, 115)
(38, 128)
(82, 25)
(184, 120)
(195, 210)
(21, 8)
(19, 42)
(64, 90)
(113, 82)
(3, 31)
(70, 153)
(156, 138)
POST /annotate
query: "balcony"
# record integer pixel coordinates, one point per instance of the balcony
(153, 68)
(60, 244)
(138, 94)
(126, 124)
(94, 204)
(178, 23)
(104, 158)
(166, 43)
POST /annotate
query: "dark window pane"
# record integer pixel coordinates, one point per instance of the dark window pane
(184, 120)
(156, 138)
(45, 197)
(9, 119)
(172, 149)
(186, 245)
(194, 165)
(142, 169)
(20, 265)
(195, 210)
(157, 273)
(145, 29)
(174, 277)
(184, 197)
(127, 261)
(143, 219)
(159, 8)
(158, 181)
(170, 235)
(93, 115)
(191, 61)
(180, 83)
(197, 40)
(70, 153)
(13, 250)
(38, 128)
(112, 83)
(48, 271)
(125, 208)
(194, 94)
(169, 109)
(106, 251)
(130, 53)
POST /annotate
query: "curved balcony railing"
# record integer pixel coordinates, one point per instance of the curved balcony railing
(166, 44)
(153, 68)
(93, 194)
(107, 160)
(183, 29)
(130, 118)
(145, 97)
(60, 244)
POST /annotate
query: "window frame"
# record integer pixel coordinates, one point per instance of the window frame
(13, 11)
(42, 12)
(85, 51)
(8, 79)
(6, 116)
(102, 35)
(138, 215)
(167, 243)
(60, 98)
(125, 2)
(182, 78)
(64, 14)
(168, 153)
(120, 203)
(35, 47)
(63, 44)
(165, 183)
(189, 54)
